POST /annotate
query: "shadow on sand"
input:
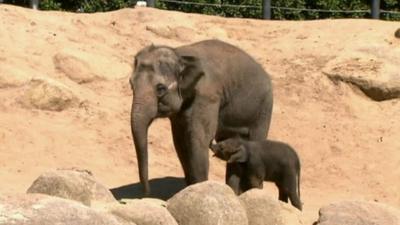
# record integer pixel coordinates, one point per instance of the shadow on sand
(162, 188)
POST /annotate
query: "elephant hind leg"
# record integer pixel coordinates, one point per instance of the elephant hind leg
(260, 128)
(283, 193)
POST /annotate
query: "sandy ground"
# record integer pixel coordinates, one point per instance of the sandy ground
(349, 144)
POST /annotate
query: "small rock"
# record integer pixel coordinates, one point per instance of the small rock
(72, 184)
(207, 203)
(358, 213)
(262, 209)
(47, 94)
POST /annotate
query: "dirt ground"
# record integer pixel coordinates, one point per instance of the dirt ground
(348, 143)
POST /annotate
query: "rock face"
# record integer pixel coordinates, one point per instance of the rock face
(85, 67)
(37, 209)
(262, 209)
(153, 201)
(178, 33)
(358, 213)
(72, 184)
(47, 94)
(74, 68)
(377, 80)
(13, 77)
(142, 212)
(207, 203)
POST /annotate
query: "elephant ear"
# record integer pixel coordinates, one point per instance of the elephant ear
(240, 155)
(190, 74)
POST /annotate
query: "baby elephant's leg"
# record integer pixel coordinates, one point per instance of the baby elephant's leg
(283, 192)
(288, 189)
(255, 182)
(232, 177)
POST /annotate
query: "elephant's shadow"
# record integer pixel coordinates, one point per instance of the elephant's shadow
(162, 188)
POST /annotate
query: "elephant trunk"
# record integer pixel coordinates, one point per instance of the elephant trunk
(141, 118)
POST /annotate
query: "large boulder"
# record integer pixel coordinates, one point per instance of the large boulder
(48, 94)
(264, 210)
(375, 76)
(37, 209)
(207, 203)
(78, 185)
(358, 213)
(142, 212)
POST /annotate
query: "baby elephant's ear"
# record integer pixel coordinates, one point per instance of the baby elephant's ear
(240, 155)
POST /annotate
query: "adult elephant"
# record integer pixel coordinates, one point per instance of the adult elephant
(209, 89)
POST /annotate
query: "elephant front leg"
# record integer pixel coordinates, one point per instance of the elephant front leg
(232, 178)
(178, 134)
(202, 126)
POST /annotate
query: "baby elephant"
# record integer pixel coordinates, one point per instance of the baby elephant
(264, 160)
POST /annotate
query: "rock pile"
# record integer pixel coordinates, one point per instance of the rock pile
(75, 197)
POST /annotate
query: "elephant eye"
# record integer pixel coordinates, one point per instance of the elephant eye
(161, 89)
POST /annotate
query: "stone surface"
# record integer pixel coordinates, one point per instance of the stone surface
(377, 78)
(83, 67)
(48, 94)
(142, 212)
(74, 68)
(207, 203)
(37, 209)
(156, 201)
(262, 209)
(176, 33)
(358, 213)
(72, 184)
(13, 77)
